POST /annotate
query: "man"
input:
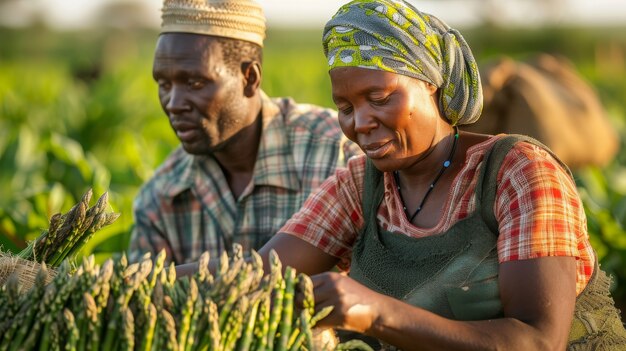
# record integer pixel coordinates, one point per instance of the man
(246, 162)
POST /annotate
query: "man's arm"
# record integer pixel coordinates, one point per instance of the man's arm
(146, 235)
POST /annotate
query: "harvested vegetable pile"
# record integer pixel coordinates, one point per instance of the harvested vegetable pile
(143, 306)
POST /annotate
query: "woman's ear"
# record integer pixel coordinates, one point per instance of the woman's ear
(252, 77)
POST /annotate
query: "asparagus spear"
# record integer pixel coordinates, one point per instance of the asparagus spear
(187, 312)
(249, 321)
(72, 330)
(128, 330)
(149, 330)
(287, 315)
(278, 292)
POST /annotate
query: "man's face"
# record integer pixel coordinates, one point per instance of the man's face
(203, 99)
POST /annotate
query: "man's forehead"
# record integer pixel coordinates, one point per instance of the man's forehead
(187, 43)
(187, 52)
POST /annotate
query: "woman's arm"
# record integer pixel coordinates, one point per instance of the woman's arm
(291, 250)
(538, 297)
(298, 254)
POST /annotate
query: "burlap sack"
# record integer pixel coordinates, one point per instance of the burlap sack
(26, 270)
(545, 98)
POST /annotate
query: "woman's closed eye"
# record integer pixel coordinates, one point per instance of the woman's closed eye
(345, 110)
(379, 101)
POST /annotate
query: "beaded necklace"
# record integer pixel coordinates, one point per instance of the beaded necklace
(446, 165)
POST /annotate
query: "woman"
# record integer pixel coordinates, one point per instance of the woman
(453, 240)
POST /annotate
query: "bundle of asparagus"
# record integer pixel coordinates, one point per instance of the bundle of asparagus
(63, 239)
(68, 232)
(143, 306)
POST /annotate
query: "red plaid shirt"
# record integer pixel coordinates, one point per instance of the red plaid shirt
(537, 207)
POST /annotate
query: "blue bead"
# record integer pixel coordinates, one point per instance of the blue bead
(446, 164)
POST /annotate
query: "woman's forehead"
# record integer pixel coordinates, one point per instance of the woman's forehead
(356, 78)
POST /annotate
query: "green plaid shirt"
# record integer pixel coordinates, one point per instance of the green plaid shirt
(187, 207)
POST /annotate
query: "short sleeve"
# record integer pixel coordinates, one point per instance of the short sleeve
(537, 206)
(331, 217)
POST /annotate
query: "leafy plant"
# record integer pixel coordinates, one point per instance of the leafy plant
(79, 110)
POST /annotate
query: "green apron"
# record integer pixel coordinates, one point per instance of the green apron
(455, 274)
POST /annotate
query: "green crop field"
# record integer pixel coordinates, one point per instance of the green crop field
(79, 110)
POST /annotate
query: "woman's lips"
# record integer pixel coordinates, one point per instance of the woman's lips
(377, 150)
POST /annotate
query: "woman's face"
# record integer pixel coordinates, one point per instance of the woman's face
(392, 117)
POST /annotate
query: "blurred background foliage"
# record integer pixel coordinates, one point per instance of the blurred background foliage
(79, 110)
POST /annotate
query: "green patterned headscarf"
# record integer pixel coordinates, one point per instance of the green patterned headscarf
(393, 36)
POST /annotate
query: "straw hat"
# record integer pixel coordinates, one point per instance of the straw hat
(236, 19)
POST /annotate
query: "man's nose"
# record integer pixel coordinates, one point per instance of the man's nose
(178, 101)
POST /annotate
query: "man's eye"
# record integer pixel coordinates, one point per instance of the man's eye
(163, 84)
(196, 84)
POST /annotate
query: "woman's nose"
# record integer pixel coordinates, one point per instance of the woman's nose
(364, 121)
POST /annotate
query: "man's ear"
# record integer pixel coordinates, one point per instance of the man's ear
(252, 77)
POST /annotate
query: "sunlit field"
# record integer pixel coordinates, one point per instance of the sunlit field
(80, 110)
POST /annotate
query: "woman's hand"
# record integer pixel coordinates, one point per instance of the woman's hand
(355, 306)
(538, 298)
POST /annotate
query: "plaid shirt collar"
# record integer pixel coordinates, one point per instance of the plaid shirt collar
(274, 149)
